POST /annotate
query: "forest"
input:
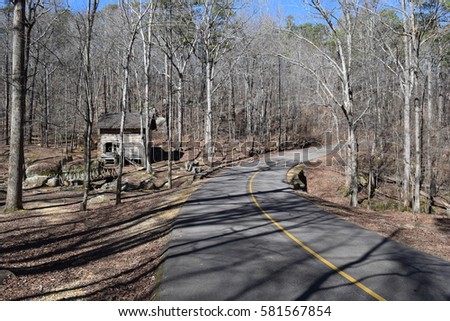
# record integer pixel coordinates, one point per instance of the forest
(373, 75)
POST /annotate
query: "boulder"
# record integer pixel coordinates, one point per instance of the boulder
(4, 275)
(192, 166)
(74, 171)
(98, 200)
(148, 184)
(53, 182)
(300, 182)
(128, 187)
(110, 186)
(160, 183)
(75, 182)
(47, 169)
(35, 182)
(363, 180)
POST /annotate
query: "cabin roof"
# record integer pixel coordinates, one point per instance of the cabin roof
(112, 121)
(132, 121)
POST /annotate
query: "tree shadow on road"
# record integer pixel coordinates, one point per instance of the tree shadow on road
(236, 243)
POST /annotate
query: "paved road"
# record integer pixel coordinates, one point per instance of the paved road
(245, 235)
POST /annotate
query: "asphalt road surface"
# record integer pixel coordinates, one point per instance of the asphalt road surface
(245, 235)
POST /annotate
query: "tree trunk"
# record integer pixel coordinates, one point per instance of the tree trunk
(418, 154)
(32, 95)
(73, 136)
(7, 92)
(440, 94)
(46, 107)
(408, 84)
(430, 129)
(66, 125)
(406, 150)
(279, 103)
(168, 69)
(180, 106)
(88, 87)
(147, 98)
(87, 158)
(125, 106)
(31, 20)
(121, 142)
(248, 106)
(7, 100)
(231, 110)
(105, 95)
(18, 77)
(208, 114)
(353, 143)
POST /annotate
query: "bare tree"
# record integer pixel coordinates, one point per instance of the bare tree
(215, 17)
(18, 95)
(7, 101)
(86, 32)
(410, 50)
(149, 111)
(414, 34)
(133, 30)
(341, 33)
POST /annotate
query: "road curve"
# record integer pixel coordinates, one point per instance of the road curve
(245, 235)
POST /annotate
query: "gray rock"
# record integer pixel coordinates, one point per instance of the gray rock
(43, 169)
(148, 184)
(128, 187)
(76, 182)
(192, 166)
(300, 182)
(35, 182)
(111, 186)
(72, 172)
(5, 274)
(98, 199)
(53, 182)
(363, 180)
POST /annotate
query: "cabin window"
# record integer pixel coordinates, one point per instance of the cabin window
(110, 147)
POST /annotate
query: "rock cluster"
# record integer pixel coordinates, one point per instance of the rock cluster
(63, 172)
(38, 174)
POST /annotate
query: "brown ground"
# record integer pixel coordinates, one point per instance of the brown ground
(107, 253)
(57, 252)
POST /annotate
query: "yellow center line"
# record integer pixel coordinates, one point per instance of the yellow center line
(311, 251)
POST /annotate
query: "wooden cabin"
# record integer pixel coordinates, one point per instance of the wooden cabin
(109, 132)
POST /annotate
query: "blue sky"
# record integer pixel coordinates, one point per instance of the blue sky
(283, 8)
(276, 8)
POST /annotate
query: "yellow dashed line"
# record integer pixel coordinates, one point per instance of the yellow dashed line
(311, 251)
